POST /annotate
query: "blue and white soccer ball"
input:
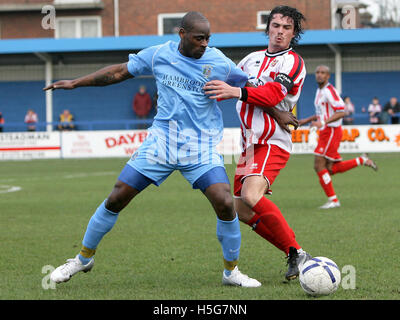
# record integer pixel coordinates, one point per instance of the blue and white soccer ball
(319, 276)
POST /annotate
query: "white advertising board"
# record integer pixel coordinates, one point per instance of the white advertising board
(355, 139)
(123, 143)
(99, 144)
(29, 145)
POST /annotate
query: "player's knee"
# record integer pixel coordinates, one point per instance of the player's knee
(120, 196)
(250, 197)
(319, 164)
(224, 206)
(113, 204)
(318, 167)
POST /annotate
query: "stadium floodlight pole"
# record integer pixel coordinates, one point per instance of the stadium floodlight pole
(338, 66)
(333, 14)
(49, 94)
(116, 18)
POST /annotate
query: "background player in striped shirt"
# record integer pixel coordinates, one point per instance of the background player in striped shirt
(329, 109)
(277, 75)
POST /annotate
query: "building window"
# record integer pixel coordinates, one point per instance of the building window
(262, 17)
(169, 23)
(78, 27)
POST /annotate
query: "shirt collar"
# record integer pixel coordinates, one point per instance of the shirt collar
(275, 54)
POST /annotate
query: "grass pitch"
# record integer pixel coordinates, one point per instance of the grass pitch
(164, 246)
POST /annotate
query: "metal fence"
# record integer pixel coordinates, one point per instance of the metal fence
(359, 118)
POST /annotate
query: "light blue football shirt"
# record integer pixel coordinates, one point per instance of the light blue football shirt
(185, 114)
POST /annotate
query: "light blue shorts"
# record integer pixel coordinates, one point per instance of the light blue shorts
(156, 161)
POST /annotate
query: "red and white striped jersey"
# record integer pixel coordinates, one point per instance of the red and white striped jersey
(327, 102)
(279, 78)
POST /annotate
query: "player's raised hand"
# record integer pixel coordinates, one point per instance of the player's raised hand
(62, 84)
(217, 89)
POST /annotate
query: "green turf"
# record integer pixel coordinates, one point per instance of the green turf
(164, 244)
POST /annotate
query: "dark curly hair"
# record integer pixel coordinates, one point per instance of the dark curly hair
(290, 12)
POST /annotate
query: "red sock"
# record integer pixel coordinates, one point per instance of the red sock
(326, 183)
(343, 166)
(269, 223)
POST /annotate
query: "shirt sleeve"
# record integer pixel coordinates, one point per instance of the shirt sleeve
(292, 73)
(142, 62)
(236, 76)
(288, 81)
(334, 99)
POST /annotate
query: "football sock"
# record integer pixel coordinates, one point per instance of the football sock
(343, 166)
(229, 236)
(326, 183)
(86, 254)
(270, 224)
(99, 224)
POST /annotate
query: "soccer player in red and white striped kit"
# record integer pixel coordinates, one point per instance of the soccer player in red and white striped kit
(277, 77)
(329, 109)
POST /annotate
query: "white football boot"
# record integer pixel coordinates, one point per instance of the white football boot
(236, 278)
(369, 162)
(330, 204)
(64, 272)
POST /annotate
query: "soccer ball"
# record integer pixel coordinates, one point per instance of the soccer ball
(319, 276)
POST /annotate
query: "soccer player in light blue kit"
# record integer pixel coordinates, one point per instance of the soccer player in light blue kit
(183, 137)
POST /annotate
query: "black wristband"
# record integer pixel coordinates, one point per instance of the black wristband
(245, 95)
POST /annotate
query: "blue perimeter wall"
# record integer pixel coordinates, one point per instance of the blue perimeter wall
(115, 102)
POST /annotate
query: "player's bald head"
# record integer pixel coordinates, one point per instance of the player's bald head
(191, 18)
(322, 74)
(323, 68)
(195, 34)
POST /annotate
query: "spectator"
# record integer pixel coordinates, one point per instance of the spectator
(142, 105)
(31, 119)
(1, 122)
(348, 110)
(66, 121)
(374, 110)
(390, 109)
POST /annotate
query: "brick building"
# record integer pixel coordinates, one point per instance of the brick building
(96, 18)
(363, 61)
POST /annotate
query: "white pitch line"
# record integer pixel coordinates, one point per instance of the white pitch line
(85, 175)
(8, 189)
(68, 176)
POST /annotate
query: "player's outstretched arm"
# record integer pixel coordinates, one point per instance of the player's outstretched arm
(307, 120)
(217, 89)
(267, 95)
(320, 123)
(103, 77)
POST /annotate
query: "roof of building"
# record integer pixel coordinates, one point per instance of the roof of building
(220, 40)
